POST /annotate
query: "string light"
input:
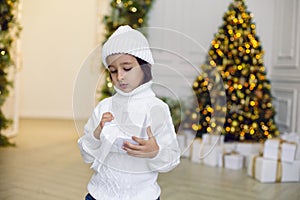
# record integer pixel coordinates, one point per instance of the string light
(140, 20)
(133, 9)
(109, 84)
(236, 53)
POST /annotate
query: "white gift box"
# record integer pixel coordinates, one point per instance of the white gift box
(247, 149)
(248, 160)
(265, 170)
(288, 152)
(291, 171)
(215, 139)
(182, 146)
(222, 139)
(229, 146)
(233, 161)
(251, 165)
(271, 148)
(185, 140)
(225, 148)
(293, 137)
(278, 149)
(206, 138)
(211, 154)
(212, 139)
(197, 151)
(270, 171)
(190, 136)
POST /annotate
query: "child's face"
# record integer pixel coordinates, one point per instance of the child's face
(126, 73)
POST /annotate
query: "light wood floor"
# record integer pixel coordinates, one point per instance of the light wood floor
(46, 165)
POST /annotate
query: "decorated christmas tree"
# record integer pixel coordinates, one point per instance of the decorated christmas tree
(235, 60)
(9, 31)
(131, 12)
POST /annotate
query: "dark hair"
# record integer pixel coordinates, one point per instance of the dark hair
(146, 68)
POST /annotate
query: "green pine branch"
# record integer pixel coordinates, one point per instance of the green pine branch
(9, 32)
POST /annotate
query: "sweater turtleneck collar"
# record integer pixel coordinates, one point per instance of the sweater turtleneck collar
(141, 91)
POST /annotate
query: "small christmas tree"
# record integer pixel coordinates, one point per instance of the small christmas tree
(236, 56)
(124, 12)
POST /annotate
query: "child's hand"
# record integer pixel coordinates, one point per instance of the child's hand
(106, 117)
(144, 148)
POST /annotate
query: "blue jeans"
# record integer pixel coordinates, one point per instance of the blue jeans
(89, 197)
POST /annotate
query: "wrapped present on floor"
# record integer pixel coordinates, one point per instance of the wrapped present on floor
(208, 151)
(211, 139)
(226, 148)
(185, 140)
(288, 151)
(294, 138)
(206, 138)
(248, 149)
(211, 154)
(291, 137)
(229, 146)
(181, 144)
(216, 139)
(231, 160)
(271, 171)
(280, 149)
(197, 151)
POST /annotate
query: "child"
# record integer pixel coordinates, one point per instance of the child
(130, 136)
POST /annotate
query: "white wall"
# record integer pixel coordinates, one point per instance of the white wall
(56, 37)
(285, 71)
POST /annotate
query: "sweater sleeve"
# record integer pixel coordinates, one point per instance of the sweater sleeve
(88, 144)
(162, 127)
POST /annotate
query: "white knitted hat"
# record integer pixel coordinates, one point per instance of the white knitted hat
(129, 41)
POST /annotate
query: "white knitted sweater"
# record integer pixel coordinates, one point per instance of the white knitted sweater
(119, 176)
